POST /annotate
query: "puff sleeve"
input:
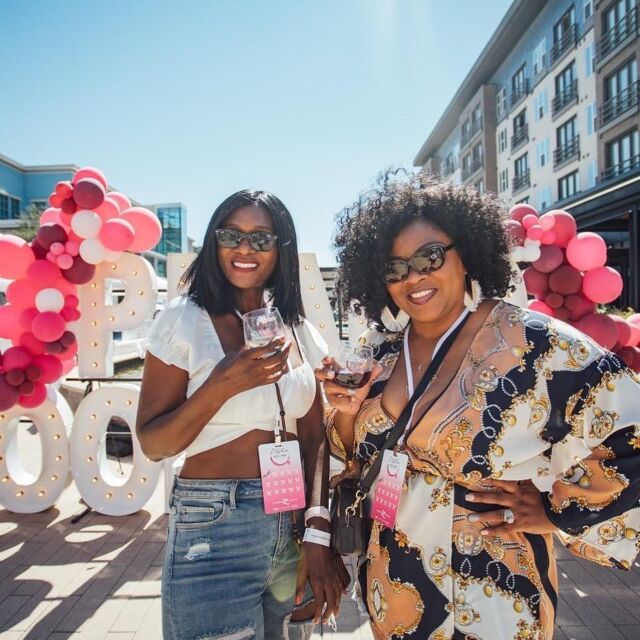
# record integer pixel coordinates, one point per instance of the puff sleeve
(166, 340)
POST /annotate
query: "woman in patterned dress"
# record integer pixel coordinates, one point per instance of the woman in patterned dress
(536, 432)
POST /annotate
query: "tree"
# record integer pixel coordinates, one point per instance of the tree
(29, 223)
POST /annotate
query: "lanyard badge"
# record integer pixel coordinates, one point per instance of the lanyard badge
(386, 498)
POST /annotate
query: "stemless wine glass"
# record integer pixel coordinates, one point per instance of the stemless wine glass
(262, 326)
(354, 365)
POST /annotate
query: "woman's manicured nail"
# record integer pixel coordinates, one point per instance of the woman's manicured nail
(331, 374)
(474, 517)
(485, 532)
(471, 497)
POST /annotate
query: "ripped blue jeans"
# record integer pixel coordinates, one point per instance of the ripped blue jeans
(230, 569)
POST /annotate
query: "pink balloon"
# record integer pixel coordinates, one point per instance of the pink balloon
(28, 341)
(26, 318)
(65, 261)
(547, 221)
(120, 199)
(67, 366)
(16, 358)
(519, 211)
(50, 216)
(548, 237)
(22, 293)
(602, 285)
(587, 251)
(117, 234)
(624, 331)
(634, 319)
(64, 189)
(553, 299)
(529, 220)
(72, 247)
(88, 193)
(108, 209)
(535, 232)
(44, 273)
(9, 322)
(551, 257)
(90, 172)
(516, 231)
(535, 281)
(71, 301)
(540, 307)
(601, 328)
(51, 368)
(35, 398)
(48, 326)
(579, 306)
(8, 394)
(148, 229)
(565, 226)
(15, 257)
(634, 339)
(565, 280)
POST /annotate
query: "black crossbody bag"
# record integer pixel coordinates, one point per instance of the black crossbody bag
(350, 525)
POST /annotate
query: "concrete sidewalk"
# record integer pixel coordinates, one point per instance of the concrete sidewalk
(100, 578)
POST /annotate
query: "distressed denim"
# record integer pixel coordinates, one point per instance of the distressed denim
(230, 569)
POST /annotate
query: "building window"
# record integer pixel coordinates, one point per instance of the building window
(568, 186)
(588, 9)
(449, 165)
(567, 132)
(523, 201)
(464, 133)
(9, 208)
(504, 180)
(590, 59)
(519, 85)
(172, 231)
(520, 130)
(566, 87)
(476, 117)
(479, 186)
(621, 91)
(544, 198)
(541, 102)
(521, 173)
(592, 115)
(619, 21)
(622, 154)
(501, 103)
(476, 152)
(540, 57)
(542, 149)
(564, 26)
(620, 80)
(502, 140)
(593, 174)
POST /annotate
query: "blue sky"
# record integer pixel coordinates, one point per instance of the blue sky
(191, 101)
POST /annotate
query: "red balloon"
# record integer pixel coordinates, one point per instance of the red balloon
(81, 272)
(587, 251)
(50, 233)
(35, 398)
(22, 294)
(31, 343)
(71, 301)
(9, 322)
(601, 328)
(8, 394)
(579, 307)
(535, 232)
(565, 227)
(88, 193)
(563, 314)
(50, 366)
(540, 307)
(16, 358)
(602, 285)
(44, 273)
(551, 257)
(519, 211)
(565, 280)
(553, 299)
(69, 314)
(48, 326)
(15, 257)
(64, 189)
(628, 355)
(624, 331)
(535, 281)
(56, 200)
(69, 206)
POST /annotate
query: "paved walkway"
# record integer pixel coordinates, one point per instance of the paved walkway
(100, 578)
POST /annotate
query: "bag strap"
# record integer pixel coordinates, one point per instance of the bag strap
(435, 381)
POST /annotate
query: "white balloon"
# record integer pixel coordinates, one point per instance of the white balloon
(86, 224)
(92, 251)
(517, 253)
(49, 299)
(531, 243)
(532, 254)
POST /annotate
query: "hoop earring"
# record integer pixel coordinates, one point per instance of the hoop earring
(472, 294)
(393, 323)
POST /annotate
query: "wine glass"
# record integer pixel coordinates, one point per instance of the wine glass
(354, 364)
(262, 326)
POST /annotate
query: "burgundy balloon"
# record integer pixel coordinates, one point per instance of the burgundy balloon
(582, 307)
(38, 250)
(68, 338)
(16, 358)
(50, 233)
(88, 193)
(516, 231)
(565, 280)
(601, 328)
(535, 282)
(551, 257)
(26, 388)
(15, 377)
(54, 347)
(68, 206)
(553, 299)
(33, 373)
(624, 331)
(81, 272)
(8, 394)
(562, 314)
(627, 354)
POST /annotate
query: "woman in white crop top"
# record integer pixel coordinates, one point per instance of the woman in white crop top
(230, 569)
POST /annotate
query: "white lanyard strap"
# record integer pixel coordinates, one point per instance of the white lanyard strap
(407, 363)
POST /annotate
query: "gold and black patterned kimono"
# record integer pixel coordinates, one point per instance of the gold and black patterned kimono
(534, 400)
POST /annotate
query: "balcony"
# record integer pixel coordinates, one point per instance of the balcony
(568, 151)
(564, 99)
(468, 171)
(521, 181)
(448, 168)
(626, 28)
(620, 169)
(519, 93)
(469, 134)
(568, 41)
(627, 100)
(519, 137)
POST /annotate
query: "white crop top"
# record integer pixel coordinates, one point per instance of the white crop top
(183, 335)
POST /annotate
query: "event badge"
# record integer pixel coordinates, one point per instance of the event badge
(282, 480)
(389, 488)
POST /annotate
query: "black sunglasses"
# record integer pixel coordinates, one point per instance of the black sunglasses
(425, 260)
(258, 240)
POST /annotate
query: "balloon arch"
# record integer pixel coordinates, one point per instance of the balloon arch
(57, 317)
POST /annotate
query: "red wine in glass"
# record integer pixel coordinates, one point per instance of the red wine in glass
(352, 379)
